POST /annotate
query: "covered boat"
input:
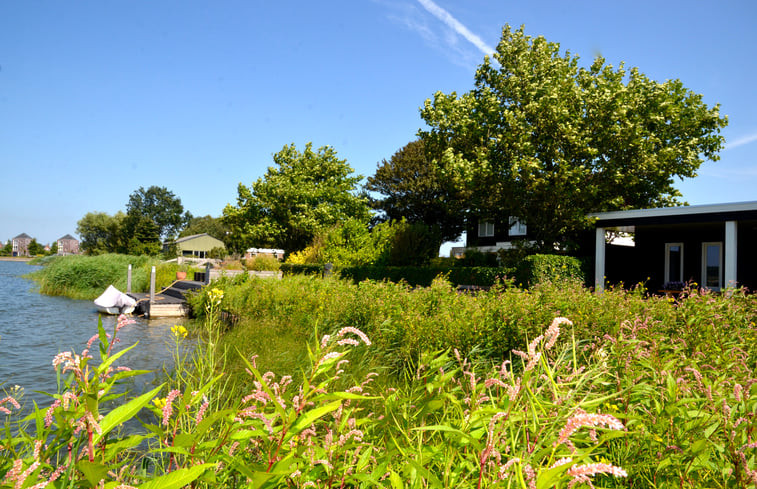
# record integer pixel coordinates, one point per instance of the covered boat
(113, 301)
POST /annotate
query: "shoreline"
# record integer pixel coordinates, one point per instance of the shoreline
(15, 258)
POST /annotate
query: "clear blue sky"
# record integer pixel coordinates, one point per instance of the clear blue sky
(99, 98)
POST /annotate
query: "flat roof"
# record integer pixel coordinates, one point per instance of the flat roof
(687, 213)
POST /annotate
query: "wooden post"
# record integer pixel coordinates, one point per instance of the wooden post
(152, 285)
(207, 273)
(128, 280)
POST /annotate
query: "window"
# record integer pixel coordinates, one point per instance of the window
(485, 228)
(517, 227)
(712, 265)
(673, 262)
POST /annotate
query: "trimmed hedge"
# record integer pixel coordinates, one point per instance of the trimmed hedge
(293, 269)
(535, 269)
(423, 276)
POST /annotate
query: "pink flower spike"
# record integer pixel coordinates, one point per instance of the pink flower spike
(589, 420)
(356, 332)
(167, 409)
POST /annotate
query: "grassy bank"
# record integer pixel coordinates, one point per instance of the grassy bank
(86, 277)
(392, 387)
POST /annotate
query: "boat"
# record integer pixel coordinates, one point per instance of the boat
(113, 301)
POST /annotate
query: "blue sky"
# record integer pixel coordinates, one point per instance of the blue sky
(99, 98)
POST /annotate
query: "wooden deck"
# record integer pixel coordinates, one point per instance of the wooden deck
(170, 302)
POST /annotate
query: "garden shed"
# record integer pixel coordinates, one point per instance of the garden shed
(197, 245)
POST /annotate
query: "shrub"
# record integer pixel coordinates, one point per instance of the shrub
(535, 269)
(263, 263)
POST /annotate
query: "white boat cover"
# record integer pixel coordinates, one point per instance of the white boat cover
(112, 297)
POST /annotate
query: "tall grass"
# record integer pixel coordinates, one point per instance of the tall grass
(86, 277)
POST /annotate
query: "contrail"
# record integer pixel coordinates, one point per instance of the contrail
(741, 141)
(455, 24)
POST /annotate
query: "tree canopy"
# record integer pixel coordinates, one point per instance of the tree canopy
(545, 140)
(305, 193)
(413, 187)
(101, 233)
(159, 205)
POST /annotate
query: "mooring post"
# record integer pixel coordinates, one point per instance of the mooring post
(207, 273)
(152, 285)
(128, 280)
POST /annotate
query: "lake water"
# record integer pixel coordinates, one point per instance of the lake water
(35, 327)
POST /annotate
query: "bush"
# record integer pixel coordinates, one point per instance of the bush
(535, 269)
(424, 276)
(263, 263)
(297, 269)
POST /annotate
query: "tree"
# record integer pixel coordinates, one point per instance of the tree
(101, 233)
(413, 187)
(212, 226)
(544, 140)
(7, 249)
(35, 248)
(305, 193)
(159, 205)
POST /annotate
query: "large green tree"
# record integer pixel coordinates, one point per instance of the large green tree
(305, 193)
(213, 226)
(101, 233)
(159, 205)
(546, 140)
(412, 185)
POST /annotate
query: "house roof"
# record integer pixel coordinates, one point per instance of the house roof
(681, 214)
(68, 236)
(194, 236)
(23, 236)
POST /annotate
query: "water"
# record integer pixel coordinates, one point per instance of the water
(35, 327)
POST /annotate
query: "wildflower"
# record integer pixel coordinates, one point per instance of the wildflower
(159, 403)
(581, 473)
(167, 408)
(11, 401)
(356, 332)
(179, 331)
(586, 419)
(554, 330)
(202, 410)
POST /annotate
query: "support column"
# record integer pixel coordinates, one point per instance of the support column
(599, 261)
(731, 253)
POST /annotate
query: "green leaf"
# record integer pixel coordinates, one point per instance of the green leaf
(306, 419)
(124, 412)
(176, 479)
(396, 480)
(94, 472)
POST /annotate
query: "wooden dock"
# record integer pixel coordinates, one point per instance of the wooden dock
(170, 302)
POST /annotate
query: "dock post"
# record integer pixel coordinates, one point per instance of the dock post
(207, 273)
(152, 285)
(128, 280)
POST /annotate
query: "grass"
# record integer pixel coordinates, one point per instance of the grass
(86, 277)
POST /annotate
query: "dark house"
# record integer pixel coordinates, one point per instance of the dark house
(711, 245)
(487, 235)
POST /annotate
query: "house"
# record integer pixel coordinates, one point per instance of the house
(195, 246)
(712, 245)
(489, 236)
(20, 245)
(253, 252)
(68, 245)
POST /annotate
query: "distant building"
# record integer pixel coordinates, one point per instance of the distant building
(195, 246)
(253, 252)
(20, 245)
(68, 245)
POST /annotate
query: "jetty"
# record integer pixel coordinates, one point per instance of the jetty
(169, 302)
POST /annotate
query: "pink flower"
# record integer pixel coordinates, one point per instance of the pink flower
(586, 419)
(356, 332)
(168, 408)
(581, 473)
(554, 330)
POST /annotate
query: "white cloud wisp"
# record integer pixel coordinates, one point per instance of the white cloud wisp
(456, 25)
